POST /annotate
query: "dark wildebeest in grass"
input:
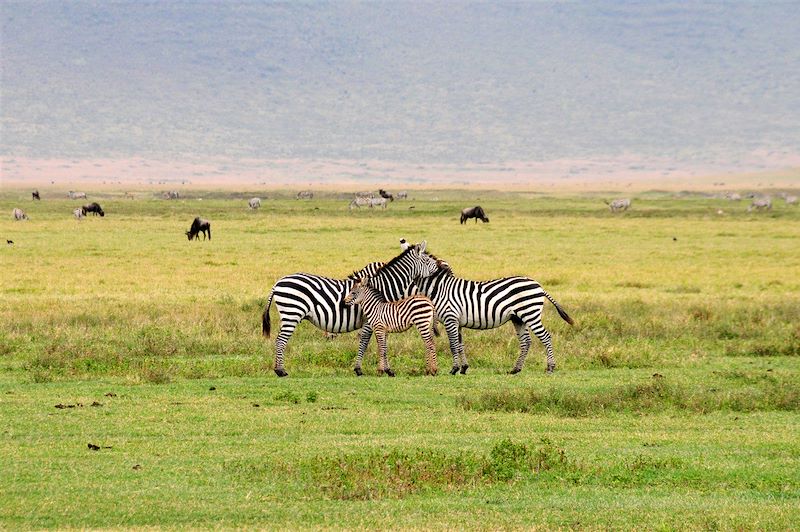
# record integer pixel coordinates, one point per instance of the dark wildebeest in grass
(474, 212)
(199, 225)
(93, 208)
(385, 195)
(35, 195)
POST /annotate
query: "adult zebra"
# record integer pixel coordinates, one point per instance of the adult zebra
(489, 304)
(320, 300)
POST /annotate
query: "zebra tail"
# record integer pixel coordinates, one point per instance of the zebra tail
(436, 329)
(561, 311)
(265, 317)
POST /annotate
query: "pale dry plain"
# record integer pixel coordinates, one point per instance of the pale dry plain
(675, 405)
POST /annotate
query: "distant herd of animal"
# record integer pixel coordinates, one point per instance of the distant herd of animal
(370, 200)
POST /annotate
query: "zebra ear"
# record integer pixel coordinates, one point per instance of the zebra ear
(422, 245)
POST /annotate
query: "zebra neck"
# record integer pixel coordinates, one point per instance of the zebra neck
(394, 278)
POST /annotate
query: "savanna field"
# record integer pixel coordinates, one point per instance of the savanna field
(676, 402)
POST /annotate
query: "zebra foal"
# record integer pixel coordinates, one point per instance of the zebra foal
(385, 317)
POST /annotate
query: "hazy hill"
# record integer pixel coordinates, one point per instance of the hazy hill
(410, 81)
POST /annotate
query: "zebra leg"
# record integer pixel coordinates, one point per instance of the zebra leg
(383, 353)
(524, 343)
(431, 365)
(462, 353)
(544, 336)
(287, 329)
(454, 336)
(366, 334)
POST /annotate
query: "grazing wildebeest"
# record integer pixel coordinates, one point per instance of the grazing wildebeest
(305, 194)
(35, 195)
(78, 213)
(199, 225)
(19, 214)
(760, 204)
(401, 195)
(172, 194)
(385, 195)
(618, 204)
(254, 203)
(93, 208)
(77, 195)
(473, 212)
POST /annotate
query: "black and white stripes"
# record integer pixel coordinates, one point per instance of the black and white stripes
(320, 300)
(385, 317)
(489, 304)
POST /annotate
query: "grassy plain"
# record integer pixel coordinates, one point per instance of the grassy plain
(676, 403)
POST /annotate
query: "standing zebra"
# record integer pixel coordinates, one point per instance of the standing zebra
(622, 204)
(486, 305)
(254, 203)
(18, 214)
(385, 316)
(78, 214)
(320, 300)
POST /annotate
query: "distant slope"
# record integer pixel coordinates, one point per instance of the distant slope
(439, 82)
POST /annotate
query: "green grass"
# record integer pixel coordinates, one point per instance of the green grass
(675, 403)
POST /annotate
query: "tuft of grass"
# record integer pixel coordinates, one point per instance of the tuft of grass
(654, 395)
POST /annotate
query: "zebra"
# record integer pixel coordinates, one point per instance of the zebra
(78, 213)
(401, 195)
(305, 194)
(619, 204)
(361, 201)
(171, 194)
(320, 300)
(733, 196)
(385, 316)
(19, 214)
(377, 202)
(486, 305)
(790, 200)
(759, 204)
(254, 203)
(76, 195)
(366, 194)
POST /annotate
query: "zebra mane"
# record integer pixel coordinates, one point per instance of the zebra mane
(396, 259)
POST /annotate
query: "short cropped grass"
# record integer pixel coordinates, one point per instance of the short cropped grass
(137, 391)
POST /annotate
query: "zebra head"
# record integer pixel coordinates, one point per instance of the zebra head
(357, 292)
(432, 265)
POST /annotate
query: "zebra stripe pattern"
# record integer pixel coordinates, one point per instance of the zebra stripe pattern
(385, 317)
(320, 300)
(487, 305)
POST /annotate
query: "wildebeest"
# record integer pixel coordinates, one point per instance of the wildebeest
(171, 194)
(78, 213)
(305, 194)
(35, 195)
(19, 214)
(93, 208)
(619, 204)
(385, 195)
(254, 203)
(76, 195)
(401, 195)
(199, 225)
(473, 212)
(760, 204)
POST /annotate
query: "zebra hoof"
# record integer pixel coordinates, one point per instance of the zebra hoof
(464, 369)
(514, 371)
(281, 372)
(454, 370)
(358, 371)
(550, 370)
(389, 372)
